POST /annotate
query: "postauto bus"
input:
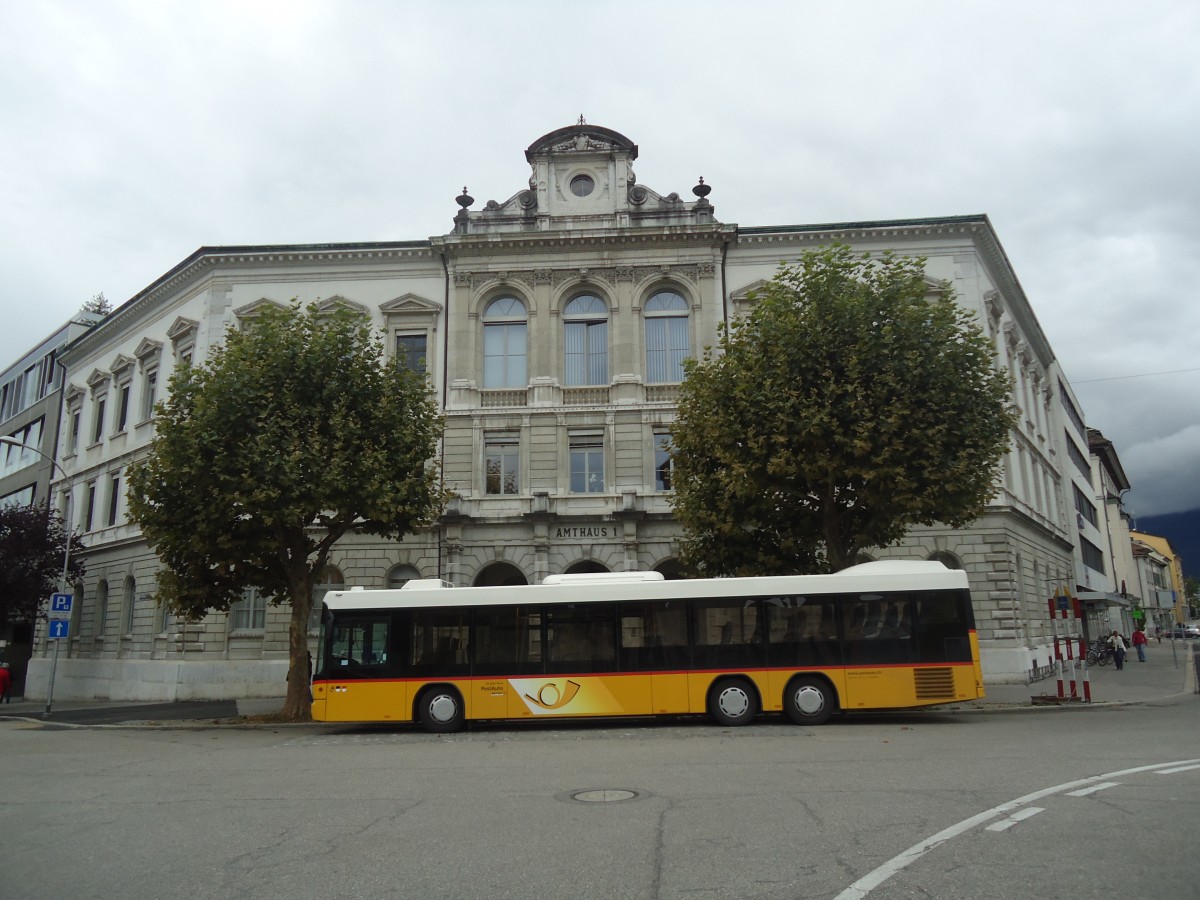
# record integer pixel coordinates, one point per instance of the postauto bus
(882, 635)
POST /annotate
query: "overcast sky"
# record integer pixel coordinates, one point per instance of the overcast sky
(135, 132)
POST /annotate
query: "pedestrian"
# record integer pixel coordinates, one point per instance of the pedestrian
(1118, 648)
(1139, 643)
(1158, 633)
(5, 684)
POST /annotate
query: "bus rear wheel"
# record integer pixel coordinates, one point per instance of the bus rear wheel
(732, 701)
(440, 709)
(809, 701)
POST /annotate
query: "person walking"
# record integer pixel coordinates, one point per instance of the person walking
(5, 684)
(1139, 643)
(1118, 648)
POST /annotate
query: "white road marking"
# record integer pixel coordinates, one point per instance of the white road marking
(879, 875)
(1179, 769)
(1095, 787)
(1019, 816)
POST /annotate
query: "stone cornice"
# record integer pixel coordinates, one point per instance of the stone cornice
(206, 260)
(543, 241)
(975, 228)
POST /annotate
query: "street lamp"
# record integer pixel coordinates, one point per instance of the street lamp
(62, 582)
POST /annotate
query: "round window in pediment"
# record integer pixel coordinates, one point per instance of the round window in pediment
(582, 185)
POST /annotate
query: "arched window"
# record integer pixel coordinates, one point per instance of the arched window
(667, 340)
(130, 596)
(101, 606)
(585, 341)
(949, 560)
(505, 333)
(398, 576)
(584, 566)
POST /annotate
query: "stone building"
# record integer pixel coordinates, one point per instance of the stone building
(552, 326)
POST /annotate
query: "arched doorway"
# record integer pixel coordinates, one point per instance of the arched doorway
(500, 573)
(671, 569)
(584, 567)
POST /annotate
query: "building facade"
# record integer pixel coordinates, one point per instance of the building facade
(552, 326)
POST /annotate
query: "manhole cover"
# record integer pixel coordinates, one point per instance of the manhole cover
(603, 795)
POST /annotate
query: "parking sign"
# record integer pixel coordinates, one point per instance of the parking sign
(60, 605)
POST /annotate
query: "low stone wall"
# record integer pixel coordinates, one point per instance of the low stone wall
(156, 680)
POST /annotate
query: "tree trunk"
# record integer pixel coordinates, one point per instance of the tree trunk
(298, 705)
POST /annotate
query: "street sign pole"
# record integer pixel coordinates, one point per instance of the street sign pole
(58, 628)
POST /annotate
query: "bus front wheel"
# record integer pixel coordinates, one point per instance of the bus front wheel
(440, 709)
(732, 701)
(809, 701)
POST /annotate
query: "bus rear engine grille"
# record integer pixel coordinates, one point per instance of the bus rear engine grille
(934, 684)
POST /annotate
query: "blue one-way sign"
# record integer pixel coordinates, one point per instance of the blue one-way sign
(59, 628)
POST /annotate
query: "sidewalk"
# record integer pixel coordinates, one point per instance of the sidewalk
(1164, 676)
(1167, 673)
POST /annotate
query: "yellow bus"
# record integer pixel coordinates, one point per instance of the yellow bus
(882, 635)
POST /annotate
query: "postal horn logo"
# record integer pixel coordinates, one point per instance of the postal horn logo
(553, 696)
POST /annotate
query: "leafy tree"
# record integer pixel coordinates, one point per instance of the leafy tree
(32, 541)
(98, 304)
(851, 404)
(293, 434)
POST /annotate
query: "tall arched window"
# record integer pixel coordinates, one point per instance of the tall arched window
(585, 341)
(504, 344)
(130, 596)
(101, 606)
(667, 341)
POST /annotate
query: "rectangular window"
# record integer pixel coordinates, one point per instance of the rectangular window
(90, 509)
(98, 419)
(728, 633)
(1093, 556)
(667, 344)
(654, 636)
(149, 391)
(502, 463)
(508, 640)
(587, 463)
(504, 350)
(73, 431)
(122, 407)
(439, 642)
(802, 631)
(114, 498)
(1077, 456)
(249, 613)
(586, 354)
(1085, 507)
(664, 466)
(580, 637)
(411, 352)
(358, 643)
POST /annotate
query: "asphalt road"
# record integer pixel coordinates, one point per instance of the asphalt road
(1011, 804)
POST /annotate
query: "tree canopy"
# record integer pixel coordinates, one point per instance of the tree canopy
(295, 432)
(854, 402)
(32, 542)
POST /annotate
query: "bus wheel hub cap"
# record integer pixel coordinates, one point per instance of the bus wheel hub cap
(443, 708)
(809, 700)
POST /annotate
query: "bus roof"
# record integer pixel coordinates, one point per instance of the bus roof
(872, 577)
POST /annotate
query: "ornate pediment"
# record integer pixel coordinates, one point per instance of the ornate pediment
(250, 310)
(337, 301)
(98, 380)
(409, 304)
(182, 328)
(582, 138)
(147, 350)
(120, 364)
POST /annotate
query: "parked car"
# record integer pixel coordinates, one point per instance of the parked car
(1183, 631)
